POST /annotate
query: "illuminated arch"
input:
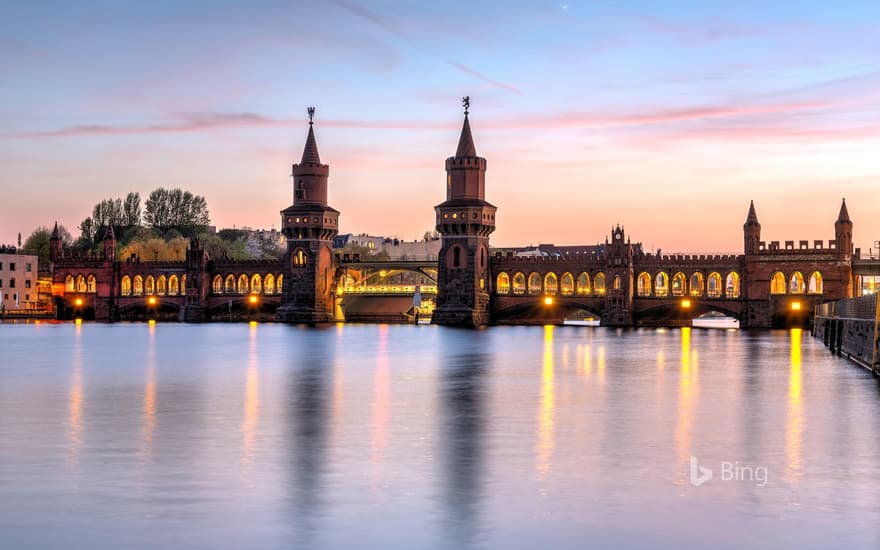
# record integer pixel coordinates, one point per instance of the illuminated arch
(599, 283)
(815, 285)
(696, 284)
(502, 283)
(777, 283)
(583, 284)
(161, 287)
(796, 283)
(643, 284)
(173, 285)
(616, 285)
(519, 283)
(229, 284)
(298, 258)
(242, 284)
(125, 286)
(256, 284)
(661, 284)
(149, 285)
(551, 284)
(713, 285)
(91, 284)
(269, 284)
(138, 285)
(183, 284)
(217, 284)
(732, 285)
(566, 284)
(678, 284)
(534, 283)
(81, 284)
(279, 283)
(69, 283)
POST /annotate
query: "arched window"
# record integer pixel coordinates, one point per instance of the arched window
(731, 285)
(454, 258)
(566, 284)
(696, 284)
(815, 286)
(519, 283)
(229, 285)
(81, 284)
(678, 282)
(149, 285)
(583, 284)
(91, 284)
(616, 285)
(661, 285)
(713, 285)
(643, 284)
(279, 283)
(256, 284)
(797, 283)
(482, 256)
(125, 286)
(69, 284)
(138, 285)
(534, 283)
(299, 257)
(599, 283)
(269, 284)
(502, 283)
(551, 285)
(160, 285)
(173, 285)
(777, 283)
(242, 284)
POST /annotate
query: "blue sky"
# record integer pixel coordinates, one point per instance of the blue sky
(667, 117)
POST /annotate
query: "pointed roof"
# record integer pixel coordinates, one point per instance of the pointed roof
(466, 141)
(843, 216)
(752, 218)
(56, 234)
(111, 234)
(310, 153)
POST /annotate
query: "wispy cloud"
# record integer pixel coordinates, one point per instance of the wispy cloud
(494, 83)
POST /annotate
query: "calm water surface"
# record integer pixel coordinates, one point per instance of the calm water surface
(363, 436)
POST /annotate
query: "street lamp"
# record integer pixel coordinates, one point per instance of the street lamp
(685, 304)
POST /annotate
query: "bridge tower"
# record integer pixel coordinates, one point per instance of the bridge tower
(751, 231)
(197, 283)
(309, 224)
(619, 284)
(843, 231)
(464, 220)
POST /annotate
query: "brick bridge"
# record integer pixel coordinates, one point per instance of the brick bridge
(769, 284)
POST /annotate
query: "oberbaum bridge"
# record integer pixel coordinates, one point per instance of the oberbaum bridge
(768, 285)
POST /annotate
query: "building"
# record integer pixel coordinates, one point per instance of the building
(18, 279)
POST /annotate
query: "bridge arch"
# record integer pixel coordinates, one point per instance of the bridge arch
(714, 288)
(534, 285)
(502, 283)
(643, 284)
(256, 284)
(279, 283)
(91, 284)
(583, 284)
(519, 283)
(269, 284)
(679, 284)
(80, 283)
(217, 284)
(125, 286)
(732, 285)
(796, 283)
(661, 284)
(173, 285)
(242, 284)
(149, 284)
(551, 284)
(599, 283)
(566, 284)
(777, 283)
(815, 284)
(229, 284)
(696, 284)
(161, 286)
(138, 287)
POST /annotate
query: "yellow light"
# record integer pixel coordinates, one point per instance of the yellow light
(78, 302)
(548, 300)
(252, 299)
(151, 322)
(685, 304)
(795, 306)
(383, 273)
(151, 300)
(78, 321)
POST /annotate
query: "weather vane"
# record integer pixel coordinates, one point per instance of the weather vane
(311, 111)
(466, 102)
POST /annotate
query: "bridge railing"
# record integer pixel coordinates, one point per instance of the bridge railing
(388, 289)
(863, 307)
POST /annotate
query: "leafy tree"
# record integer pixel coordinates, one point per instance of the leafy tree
(131, 210)
(38, 243)
(178, 209)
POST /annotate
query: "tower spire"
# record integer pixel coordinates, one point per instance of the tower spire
(843, 216)
(466, 146)
(310, 152)
(752, 218)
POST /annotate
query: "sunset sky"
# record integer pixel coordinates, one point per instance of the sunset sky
(665, 117)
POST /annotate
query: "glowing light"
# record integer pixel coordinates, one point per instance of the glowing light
(152, 300)
(795, 306)
(546, 410)
(252, 299)
(78, 302)
(548, 300)
(685, 304)
(78, 321)
(151, 322)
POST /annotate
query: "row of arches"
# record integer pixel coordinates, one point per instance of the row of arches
(242, 284)
(551, 284)
(81, 283)
(714, 285)
(796, 283)
(140, 285)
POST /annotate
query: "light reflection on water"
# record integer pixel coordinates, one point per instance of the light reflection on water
(422, 437)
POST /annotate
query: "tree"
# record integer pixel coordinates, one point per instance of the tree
(178, 209)
(131, 210)
(38, 243)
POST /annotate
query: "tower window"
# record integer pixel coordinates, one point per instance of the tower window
(299, 258)
(456, 257)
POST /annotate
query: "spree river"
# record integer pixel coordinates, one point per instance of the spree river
(374, 436)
